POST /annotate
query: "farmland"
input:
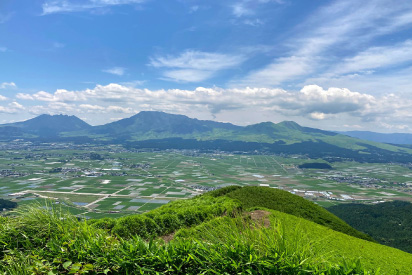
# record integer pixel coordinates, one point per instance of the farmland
(98, 181)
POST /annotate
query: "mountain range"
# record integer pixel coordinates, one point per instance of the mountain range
(160, 130)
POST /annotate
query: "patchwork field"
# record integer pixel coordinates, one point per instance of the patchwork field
(111, 181)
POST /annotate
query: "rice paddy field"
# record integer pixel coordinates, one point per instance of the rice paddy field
(112, 181)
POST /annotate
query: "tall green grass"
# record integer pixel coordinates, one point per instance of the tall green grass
(62, 245)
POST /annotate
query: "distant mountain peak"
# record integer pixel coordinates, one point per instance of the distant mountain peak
(290, 124)
(51, 125)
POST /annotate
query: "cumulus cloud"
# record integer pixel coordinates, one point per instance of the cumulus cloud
(115, 70)
(52, 108)
(12, 108)
(311, 103)
(61, 6)
(60, 95)
(194, 66)
(91, 108)
(3, 98)
(8, 85)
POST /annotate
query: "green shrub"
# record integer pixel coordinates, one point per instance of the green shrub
(223, 191)
(175, 215)
(139, 225)
(104, 223)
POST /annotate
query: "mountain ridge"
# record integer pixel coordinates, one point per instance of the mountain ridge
(169, 131)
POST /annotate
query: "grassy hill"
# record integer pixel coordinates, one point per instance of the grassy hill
(252, 197)
(209, 234)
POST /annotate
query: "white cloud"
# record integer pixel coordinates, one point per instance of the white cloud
(52, 108)
(60, 95)
(311, 103)
(133, 83)
(194, 66)
(8, 85)
(348, 23)
(16, 105)
(240, 9)
(118, 109)
(91, 108)
(115, 70)
(317, 115)
(12, 108)
(24, 96)
(247, 7)
(253, 23)
(283, 69)
(3, 98)
(187, 75)
(377, 57)
(64, 6)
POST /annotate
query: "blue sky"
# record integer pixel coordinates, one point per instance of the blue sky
(338, 65)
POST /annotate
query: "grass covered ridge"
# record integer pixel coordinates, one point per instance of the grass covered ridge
(213, 235)
(252, 196)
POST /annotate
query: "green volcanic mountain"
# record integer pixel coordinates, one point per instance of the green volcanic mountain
(44, 126)
(167, 131)
(159, 124)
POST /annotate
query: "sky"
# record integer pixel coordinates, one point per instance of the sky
(334, 65)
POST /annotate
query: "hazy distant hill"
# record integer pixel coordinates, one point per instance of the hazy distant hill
(168, 131)
(46, 125)
(394, 138)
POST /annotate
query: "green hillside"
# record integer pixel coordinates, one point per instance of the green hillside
(209, 234)
(389, 223)
(252, 197)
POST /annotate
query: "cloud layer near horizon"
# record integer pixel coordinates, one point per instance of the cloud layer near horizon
(312, 102)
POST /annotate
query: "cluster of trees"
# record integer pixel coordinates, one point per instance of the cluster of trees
(6, 204)
(315, 165)
(389, 223)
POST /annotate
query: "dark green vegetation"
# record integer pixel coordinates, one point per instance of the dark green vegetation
(315, 165)
(170, 217)
(217, 235)
(6, 204)
(283, 201)
(389, 223)
(165, 131)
